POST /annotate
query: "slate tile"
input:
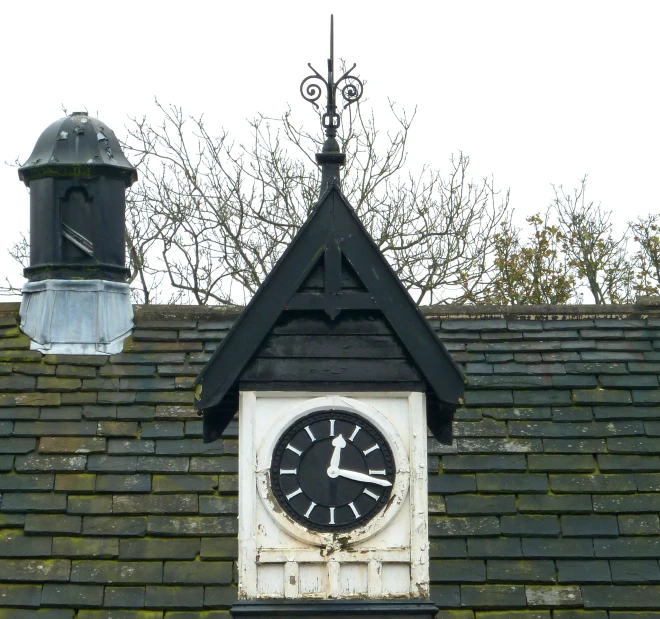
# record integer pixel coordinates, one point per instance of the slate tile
(57, 524)
(566, 414)
(114, 526)
(163, 548)
(124, 597)
(558, 548)
(452, 483)
(77, 596)
(467, 526)
(485, 427)
(512, 482)
(583, 571)
(593, 483)
(639, 524)
(628, 548)
(640, 444)
(497, 462)
(555, 504)
(578, 463)
(71, 444)
(498, 445)
(41, 462)
(83, 505)
(530, 525)
(624, 464)
(648, 482)
(507, 571)
(192, 526)
(130, 446)
(33, 502)
(140, 482)
(223, 597)
(497, 596)
(629, 381)
(589, 526)
(484, 398)
(560, 595)
(644, 397)
(227, 548)
(75, 482)
(174, 597)
(494, 547)
(15, 544)
(439, 548)
(542, 397)
(19, 595)
(616, 504)
(626, 412)
(518, 413)
(469, 504)
(89, 547)
(595, 368)
(227, 505)
(601, 396)
(112, 464)
(23, 482)
(638, 572)
(36, 570)
(457, 571)
(120, 572)
(627, 597)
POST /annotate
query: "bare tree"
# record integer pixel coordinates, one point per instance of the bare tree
(221, 214)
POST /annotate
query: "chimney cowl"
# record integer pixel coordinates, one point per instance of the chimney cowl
(80, 146)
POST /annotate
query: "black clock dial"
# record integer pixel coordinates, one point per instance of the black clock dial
(332, 471)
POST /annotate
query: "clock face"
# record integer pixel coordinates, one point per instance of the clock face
(332, 471)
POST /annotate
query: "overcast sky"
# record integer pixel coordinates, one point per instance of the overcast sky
(534, 92)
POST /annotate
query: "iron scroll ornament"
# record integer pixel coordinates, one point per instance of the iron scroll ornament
(350, 87)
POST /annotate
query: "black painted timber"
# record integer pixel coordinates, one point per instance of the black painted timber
(345, 609)
(331, 248)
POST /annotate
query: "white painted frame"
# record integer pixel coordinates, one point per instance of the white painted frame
(254, 465)
(337, 403)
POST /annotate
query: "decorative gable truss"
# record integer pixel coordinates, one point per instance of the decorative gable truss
(332, 315)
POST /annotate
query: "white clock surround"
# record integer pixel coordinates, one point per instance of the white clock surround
(385, 558)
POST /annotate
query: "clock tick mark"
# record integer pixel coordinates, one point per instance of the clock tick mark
(293, 449)
(294, 493)
(379, 472)
(355, 511)
(312, 505)
(368, 492)
(352, 436)
(372, 448)
(310, 433)
(288, 471)
(332, 427)
(332, 516)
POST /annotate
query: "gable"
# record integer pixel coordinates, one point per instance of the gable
(331, 266)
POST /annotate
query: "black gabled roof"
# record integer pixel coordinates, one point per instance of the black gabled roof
(332, 229)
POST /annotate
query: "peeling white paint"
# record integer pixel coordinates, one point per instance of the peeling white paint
(279, 557)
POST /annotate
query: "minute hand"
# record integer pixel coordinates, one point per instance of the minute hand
(354, 475)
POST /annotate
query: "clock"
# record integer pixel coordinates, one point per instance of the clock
(332, 471)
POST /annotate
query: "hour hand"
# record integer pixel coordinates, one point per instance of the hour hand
(354, 475)
(338, 443)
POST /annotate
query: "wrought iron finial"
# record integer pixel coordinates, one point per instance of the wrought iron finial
(313, 85)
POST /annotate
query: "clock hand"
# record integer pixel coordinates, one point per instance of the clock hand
(354, 475)
(338, 443)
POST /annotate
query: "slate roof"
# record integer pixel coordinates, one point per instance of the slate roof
(546, 504)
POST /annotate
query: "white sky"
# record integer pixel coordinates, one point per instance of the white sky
(534, 92)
